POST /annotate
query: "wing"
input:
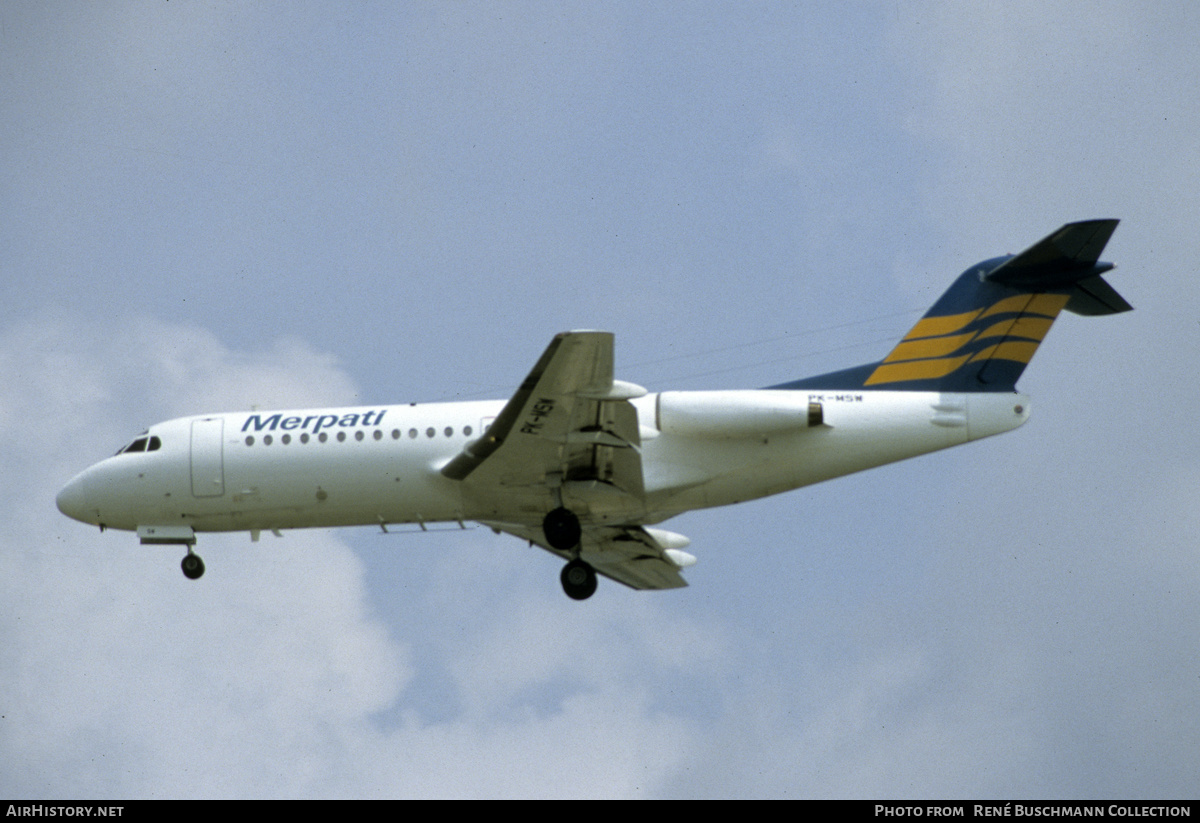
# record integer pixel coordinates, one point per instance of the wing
(638, 557)
(571, 432)
(569, 421)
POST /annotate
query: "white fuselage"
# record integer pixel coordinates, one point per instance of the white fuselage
(381, 465)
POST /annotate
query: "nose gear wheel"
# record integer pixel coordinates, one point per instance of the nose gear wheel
(192, 566)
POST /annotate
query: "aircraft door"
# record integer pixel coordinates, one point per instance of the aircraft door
(208, 462)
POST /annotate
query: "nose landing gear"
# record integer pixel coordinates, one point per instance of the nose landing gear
(192, 565)
(172, 535)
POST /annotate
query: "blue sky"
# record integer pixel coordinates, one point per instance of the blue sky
(210, 206)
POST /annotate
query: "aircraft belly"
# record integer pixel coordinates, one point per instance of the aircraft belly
(591, 501)
(511, 503)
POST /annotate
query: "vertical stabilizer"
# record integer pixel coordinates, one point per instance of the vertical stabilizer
(984, 330)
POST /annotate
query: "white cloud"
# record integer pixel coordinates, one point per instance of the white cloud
(119, 678)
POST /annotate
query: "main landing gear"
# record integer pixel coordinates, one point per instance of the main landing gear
(578, 580)
(192, 565)
(563, 532)
(562, 529)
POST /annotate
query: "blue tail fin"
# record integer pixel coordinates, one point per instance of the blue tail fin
(984, 330)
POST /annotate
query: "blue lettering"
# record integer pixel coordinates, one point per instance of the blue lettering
(260, 424)
(257, 422)
(325, 421)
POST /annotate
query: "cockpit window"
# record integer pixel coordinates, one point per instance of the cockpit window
(143, 444)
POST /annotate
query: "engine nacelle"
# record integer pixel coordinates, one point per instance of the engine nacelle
(735, 414)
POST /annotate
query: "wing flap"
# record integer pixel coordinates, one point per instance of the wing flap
(636, 560)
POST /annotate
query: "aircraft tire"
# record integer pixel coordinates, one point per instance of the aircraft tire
(192, 566)
(578, 580)
(562, 529)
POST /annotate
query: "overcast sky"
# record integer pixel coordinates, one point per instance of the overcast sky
(209, 205)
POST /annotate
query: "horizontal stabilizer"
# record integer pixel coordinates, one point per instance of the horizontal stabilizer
(1093, 297)
(1064, 258)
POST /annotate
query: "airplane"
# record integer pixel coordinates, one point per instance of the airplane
(587, 466)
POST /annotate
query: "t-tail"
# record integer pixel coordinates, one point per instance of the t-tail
(982, 333)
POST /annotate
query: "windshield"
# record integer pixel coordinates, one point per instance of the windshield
(145, 443)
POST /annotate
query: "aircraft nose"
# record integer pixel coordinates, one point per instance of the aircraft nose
(72, 501)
